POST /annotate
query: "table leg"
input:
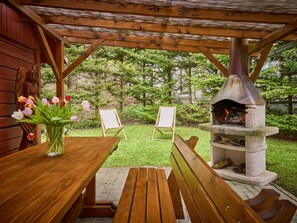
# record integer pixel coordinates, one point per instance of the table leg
(91, 192)
(95, 208)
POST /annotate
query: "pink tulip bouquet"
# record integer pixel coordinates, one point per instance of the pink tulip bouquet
(54, 114)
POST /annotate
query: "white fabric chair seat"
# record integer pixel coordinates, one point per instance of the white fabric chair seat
(165, 121)
(111, 121)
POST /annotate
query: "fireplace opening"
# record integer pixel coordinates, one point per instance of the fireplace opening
(228, 112)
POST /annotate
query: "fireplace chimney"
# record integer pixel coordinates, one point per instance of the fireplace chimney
(239, 87)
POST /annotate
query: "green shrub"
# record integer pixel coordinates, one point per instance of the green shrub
(140, 113)
(285, 123)
(86, 123)
(192, 114)
(186, 114)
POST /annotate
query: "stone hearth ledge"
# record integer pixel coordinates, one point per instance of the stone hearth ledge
(260, 180)
(239, 130)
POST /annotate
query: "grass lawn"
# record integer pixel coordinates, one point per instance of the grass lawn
(140, 150)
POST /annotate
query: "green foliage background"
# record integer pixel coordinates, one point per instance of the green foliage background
(136, 82)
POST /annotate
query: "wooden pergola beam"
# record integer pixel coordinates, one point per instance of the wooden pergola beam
(82, 57)
(160, 28)
(29, 13)
(166, 11)
(157, 39)
(274, 36)
(152, 46)
(47, 50)
(206, 52)
(60, 65)
(261, 61)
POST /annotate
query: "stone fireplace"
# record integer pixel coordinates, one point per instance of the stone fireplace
(237, 126)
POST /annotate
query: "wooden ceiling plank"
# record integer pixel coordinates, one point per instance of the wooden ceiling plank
(166, 11)
(161, 28)
(142, 45)
(223, 51)
(17, 5)
(274, 36)
(261, 61)
(140, 38)
(82, 57)
(214, 60)
(47, 50)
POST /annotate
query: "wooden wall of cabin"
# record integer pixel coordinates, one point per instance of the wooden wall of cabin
(18, 48)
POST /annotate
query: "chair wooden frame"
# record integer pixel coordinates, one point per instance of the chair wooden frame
(110, 122)
(165, 123)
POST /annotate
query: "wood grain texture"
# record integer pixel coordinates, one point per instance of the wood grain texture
(17, 49)
(139, 200)
(35, 187)
(153, 199)
(125, 203)
(167, 210)
(145, 198)
(15, 28)
(204, 188)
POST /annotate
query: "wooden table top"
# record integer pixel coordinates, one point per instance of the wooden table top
(35, 187)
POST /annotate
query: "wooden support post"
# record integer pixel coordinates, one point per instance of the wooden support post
(38, 64)
(60, 66)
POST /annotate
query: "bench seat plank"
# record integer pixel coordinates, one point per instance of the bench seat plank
(124, 208)
(167, 209)
(145, 198)
(139, 199)
(153, 198)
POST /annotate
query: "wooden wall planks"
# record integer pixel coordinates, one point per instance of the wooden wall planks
(17, 27)
(18, 47)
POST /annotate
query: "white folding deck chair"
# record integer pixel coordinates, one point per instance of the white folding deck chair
(165, 121)
(110, 121)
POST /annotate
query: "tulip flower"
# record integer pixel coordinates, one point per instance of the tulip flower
(18, 115)
(22, 99)
(31, 136)
(55, 100)
(67, 98)
(29, 103)
(28, 111)
(32, 98)
(44, 101)
(74, 118)
(62, 103)
(55, 114)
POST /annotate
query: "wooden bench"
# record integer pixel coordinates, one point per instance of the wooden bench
(145, 198)
(208, 198)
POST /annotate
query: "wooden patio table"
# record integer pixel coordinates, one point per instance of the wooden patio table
(38, 188)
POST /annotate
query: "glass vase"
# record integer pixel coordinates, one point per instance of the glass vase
(55, 140)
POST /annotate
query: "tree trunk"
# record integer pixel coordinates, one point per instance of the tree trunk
(190, 86)
(169, 75)
(143, 81)
(290, 99)
(121, 94)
